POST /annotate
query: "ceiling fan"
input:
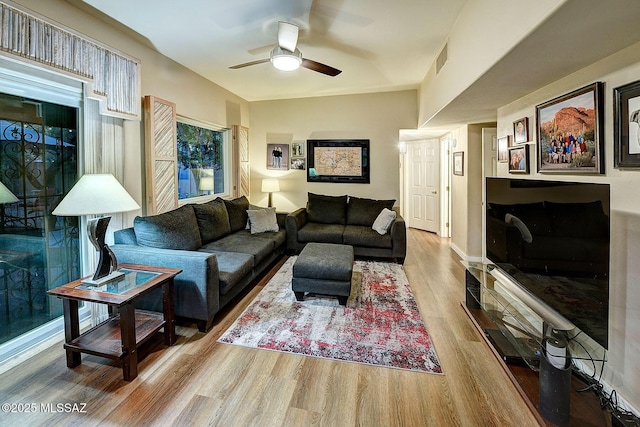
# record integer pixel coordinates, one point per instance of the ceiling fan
(287, 57)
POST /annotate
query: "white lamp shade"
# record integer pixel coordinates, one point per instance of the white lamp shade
(6, 196)
(270, 185)
(96, 194)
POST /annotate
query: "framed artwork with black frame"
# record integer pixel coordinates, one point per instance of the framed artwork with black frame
(570, 132)
(519, 159)
(338, 160)
(626, 130)
(458, 163)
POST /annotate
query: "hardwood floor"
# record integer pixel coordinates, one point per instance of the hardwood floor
(201, 382)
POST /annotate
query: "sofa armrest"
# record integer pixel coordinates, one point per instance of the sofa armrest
(398, 232)
(196, 289)
(281, 217)
(295, 221)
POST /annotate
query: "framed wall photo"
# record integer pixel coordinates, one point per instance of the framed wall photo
(626, 128)
(521, 130)
(570, 132)
(519, 159)
(298, 163)
(458, 163)
(278, 157)
(338, 161)
(297, 149)
(503, 148)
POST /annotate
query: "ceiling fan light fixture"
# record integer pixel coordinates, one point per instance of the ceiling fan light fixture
(285, 60)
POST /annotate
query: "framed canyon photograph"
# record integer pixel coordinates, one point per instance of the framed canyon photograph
(569, 132)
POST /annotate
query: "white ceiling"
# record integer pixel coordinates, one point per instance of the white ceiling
(378, 45)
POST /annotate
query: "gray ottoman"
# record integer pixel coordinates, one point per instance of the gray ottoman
(323, 268)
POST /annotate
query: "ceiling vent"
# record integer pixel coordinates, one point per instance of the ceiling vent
(442, 58)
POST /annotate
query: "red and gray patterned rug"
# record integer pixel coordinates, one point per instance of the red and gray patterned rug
(381, 324)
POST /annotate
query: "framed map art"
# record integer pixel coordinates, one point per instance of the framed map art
(338, 160)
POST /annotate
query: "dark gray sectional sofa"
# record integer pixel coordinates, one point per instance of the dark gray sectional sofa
(209, 241)
(348, 221)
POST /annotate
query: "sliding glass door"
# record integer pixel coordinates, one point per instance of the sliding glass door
(38, 251)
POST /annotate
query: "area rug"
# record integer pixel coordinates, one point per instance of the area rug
(380, 325)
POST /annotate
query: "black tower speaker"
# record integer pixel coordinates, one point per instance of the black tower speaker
(555, 379)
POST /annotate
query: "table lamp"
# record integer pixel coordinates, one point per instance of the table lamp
(98, 194)
(270, 185)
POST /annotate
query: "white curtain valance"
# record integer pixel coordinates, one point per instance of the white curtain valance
(112, 77)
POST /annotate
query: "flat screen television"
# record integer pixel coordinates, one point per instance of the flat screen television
(552, 238)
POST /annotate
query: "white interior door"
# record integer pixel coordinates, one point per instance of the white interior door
(423, 159)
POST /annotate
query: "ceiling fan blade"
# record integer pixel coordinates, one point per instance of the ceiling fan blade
(287, 36)
(247, 64)
(320, 68)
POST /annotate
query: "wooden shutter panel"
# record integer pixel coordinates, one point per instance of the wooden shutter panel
(243, 178)
(161, 155)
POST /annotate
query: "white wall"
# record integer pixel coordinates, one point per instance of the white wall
(485, 31)
(622, 371)
(377, 117)
(466, 193)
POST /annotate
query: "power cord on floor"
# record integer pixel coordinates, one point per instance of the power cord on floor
(620, 417)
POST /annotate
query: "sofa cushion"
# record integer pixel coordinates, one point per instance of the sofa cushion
(176, 229)
(360, 235)
(321, 233)
(232, 268)
(263, 220)
(365, 211)
(278, 237)
(213, 220)
(243, 242)
(327, 209)
(237, 210)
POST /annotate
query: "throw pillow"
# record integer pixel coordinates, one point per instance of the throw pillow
(384, 220)
(237, 210)
(252, 208)
(327, 209)
(213, 220)
(365, 211)
(263, 220)
(176, 229)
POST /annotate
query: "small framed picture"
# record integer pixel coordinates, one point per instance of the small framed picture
(626, 130)
(521, 130)
(519, 159)
(278, 156)
(458, 163)
(298, 163)
(503, 148)
(297, 149)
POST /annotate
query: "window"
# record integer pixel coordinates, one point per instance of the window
(203, 160)
(38, 251)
